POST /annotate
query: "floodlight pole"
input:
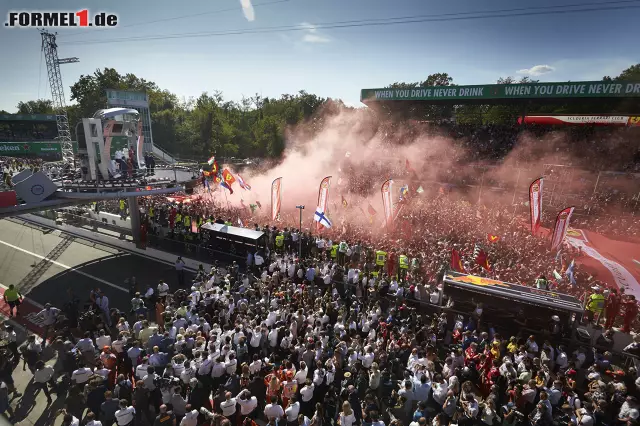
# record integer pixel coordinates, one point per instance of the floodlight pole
(301, 207)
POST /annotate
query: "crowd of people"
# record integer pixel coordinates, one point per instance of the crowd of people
(317, 340)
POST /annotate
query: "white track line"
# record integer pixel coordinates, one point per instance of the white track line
(62, 265)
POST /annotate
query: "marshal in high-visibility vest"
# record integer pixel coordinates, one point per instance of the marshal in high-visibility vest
(334, 250)
(403, 261)
(596, 303)
(178, 218)
(381, 257)
(279, 240)
(122, 205)
(151, 211)
(187, 221)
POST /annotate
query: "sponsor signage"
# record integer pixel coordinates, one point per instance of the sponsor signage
(576, 89)
(37, 148)
(27, 117)
(123, 98)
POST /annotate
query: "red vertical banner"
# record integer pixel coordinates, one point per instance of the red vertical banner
(535, 204)
(323, 198)
(387, 203)
(276, 197)
(561, 227)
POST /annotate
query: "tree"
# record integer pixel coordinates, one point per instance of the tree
(438, 79)
(39, 106)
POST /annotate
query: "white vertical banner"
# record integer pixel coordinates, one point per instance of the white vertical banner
(276, 197)
(387, 202)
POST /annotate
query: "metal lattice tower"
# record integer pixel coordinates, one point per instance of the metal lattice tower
(50, 48)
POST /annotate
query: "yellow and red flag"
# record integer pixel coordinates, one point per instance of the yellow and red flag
(215, 168)
(228, 177)
(456, 261)
(493, 238)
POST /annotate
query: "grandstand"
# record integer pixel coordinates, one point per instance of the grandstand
(598, 155)
(29, 135)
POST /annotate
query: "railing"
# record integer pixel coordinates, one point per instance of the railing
(164, 155)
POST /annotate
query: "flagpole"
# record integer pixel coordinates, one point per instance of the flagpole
(226, 199)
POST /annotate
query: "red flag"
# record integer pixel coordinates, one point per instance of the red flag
(483, 260)
(371, 210)
(456, 261)
(258, 204)
(493, 238)
(408, 166)
(228, 177)
(215, 168)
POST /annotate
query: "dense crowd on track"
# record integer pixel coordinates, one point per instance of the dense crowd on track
(336, 333)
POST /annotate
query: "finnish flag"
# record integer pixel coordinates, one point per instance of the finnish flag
(321, 218)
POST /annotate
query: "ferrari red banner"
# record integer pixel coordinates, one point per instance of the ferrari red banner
(535, 204)
(561, 227)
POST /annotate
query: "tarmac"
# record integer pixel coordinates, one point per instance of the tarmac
(45, 265)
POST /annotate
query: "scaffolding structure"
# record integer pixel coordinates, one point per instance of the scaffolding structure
(50, 49)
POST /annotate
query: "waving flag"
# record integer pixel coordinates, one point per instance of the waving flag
(276, 197)
(226, 185)
(404, 192)
(258, 204)
(535, 204)
(215, 168)
(321, 218)
(408, 166)
(493, 238)
(560, 229)
(420, 190)
(228, 177)
(323, 198)
(211, 160)
(344, 202)
(482, 259)
(253, 208)
(456, 261)
(570, 272)
(244, 185)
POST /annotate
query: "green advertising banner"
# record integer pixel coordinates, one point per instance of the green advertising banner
(27, 117)
(30, 148)
(578, 89)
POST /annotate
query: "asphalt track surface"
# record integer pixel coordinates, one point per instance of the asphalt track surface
(46, 264)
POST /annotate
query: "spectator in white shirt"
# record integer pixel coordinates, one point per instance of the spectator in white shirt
(190, 418)
(228, 406)
(273, 410)
(126, 414)
(49, 316)
(293, 409)
(102, 340)
(247, 403)
(81, 375)
(44, 376)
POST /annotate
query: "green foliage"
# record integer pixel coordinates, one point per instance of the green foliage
(39, 106)
(205, 125)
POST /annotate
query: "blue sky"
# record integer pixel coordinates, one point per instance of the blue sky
(333, 63)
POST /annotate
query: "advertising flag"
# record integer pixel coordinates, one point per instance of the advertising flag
(276, 197)
(535, 204)
(387, 202)
(561, 227)
(228, 178)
